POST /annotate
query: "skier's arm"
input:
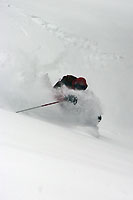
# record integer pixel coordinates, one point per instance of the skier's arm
(58, 84)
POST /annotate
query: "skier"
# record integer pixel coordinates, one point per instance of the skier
(74, 83)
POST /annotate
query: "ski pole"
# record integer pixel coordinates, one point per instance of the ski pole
(43, 105)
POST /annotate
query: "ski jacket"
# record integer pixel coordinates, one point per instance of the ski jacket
(72, 82)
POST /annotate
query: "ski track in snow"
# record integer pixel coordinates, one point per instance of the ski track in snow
(91, 48)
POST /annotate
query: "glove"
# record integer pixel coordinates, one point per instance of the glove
(71, 98)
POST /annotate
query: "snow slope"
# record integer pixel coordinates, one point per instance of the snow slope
(44, 156)
(43, 161)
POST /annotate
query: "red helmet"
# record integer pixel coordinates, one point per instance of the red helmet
(79, 84)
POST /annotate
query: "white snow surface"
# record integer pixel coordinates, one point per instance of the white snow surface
(60, 151)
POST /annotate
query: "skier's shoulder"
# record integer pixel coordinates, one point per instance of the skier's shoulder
(68, 78)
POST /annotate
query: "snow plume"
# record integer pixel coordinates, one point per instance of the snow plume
(24, 83)
(85, 112)
(21, 81)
